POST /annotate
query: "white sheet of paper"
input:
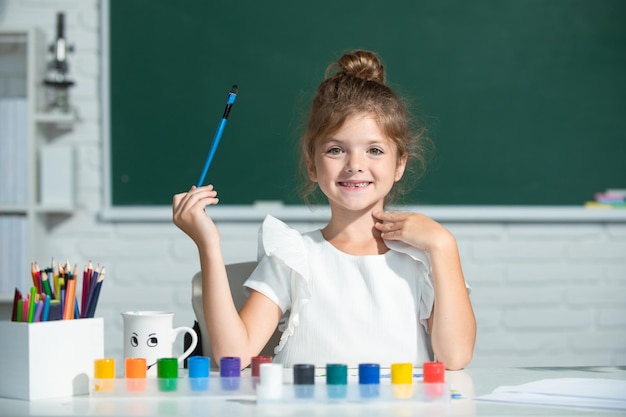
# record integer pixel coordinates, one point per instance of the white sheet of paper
(573, 392)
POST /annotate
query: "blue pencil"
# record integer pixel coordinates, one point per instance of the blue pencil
(218, 134)
(46, 309)
(76, 309)
(38, 311)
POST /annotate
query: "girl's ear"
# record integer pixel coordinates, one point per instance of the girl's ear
(310, 166)
(400, 167)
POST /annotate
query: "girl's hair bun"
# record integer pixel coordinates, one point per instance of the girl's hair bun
(361, 64)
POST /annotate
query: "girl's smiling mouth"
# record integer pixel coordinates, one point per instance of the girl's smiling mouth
(352, 184)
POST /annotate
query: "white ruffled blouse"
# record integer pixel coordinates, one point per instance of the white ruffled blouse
(340, 308)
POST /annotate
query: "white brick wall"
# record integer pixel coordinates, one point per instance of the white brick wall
(544, 294)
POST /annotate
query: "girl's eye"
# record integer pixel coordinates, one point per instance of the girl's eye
(376, 151)
(334, 151)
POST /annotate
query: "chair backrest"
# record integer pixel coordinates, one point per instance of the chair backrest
(237, 275)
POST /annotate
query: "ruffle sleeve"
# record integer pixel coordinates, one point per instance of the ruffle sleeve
(425, 285)
(283, 245)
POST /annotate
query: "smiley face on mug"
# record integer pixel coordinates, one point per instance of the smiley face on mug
(151, 341)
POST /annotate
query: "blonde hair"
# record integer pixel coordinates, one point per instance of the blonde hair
(356, 84)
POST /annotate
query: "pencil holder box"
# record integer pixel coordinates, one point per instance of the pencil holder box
(49, 359)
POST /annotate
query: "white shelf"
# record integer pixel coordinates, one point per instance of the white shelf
(60, 209)
(23, 216)
(64, 119)
(25, 210)
(13, 209)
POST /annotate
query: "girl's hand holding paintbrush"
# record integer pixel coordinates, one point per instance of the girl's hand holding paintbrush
(190, 216)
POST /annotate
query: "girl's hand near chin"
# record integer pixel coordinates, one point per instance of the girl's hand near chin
(414, 229)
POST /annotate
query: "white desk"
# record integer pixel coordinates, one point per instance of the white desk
(472, 382)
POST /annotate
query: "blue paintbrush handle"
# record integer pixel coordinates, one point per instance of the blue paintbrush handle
(216, 141)
(218, 134)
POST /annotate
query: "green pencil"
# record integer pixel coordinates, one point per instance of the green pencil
(31, 304)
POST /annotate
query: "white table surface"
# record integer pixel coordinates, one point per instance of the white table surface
(471, 382)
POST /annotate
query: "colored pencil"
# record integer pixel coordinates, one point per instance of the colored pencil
(17, 296)
(85, 292)
(46, 309)
(31, 305)
(19, 314)
(39, 310)
(25, 309)
(70, 296)
(94, 301)
(92, 289)
(55, 277)
(46, 283)
(34, 271)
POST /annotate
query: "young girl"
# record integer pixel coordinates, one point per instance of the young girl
(371, 286)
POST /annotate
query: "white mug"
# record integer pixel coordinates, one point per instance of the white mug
(150, 335)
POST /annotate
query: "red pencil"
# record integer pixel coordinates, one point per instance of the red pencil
(86, 284)
(35, 273)
(16, 298)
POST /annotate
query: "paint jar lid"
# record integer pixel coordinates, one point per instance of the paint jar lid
(167, 368)
(104, 368)
(303, 374)
(136, 367)
(434, 372)
(369, 373)
(270, 384)
(199, 366)
(230, 366)
(258, 360)
(336, 374)
(401, 373)
(271, 374)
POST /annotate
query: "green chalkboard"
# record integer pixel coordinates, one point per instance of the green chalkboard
(525, 99)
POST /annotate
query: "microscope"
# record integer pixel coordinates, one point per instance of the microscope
(56, 80)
